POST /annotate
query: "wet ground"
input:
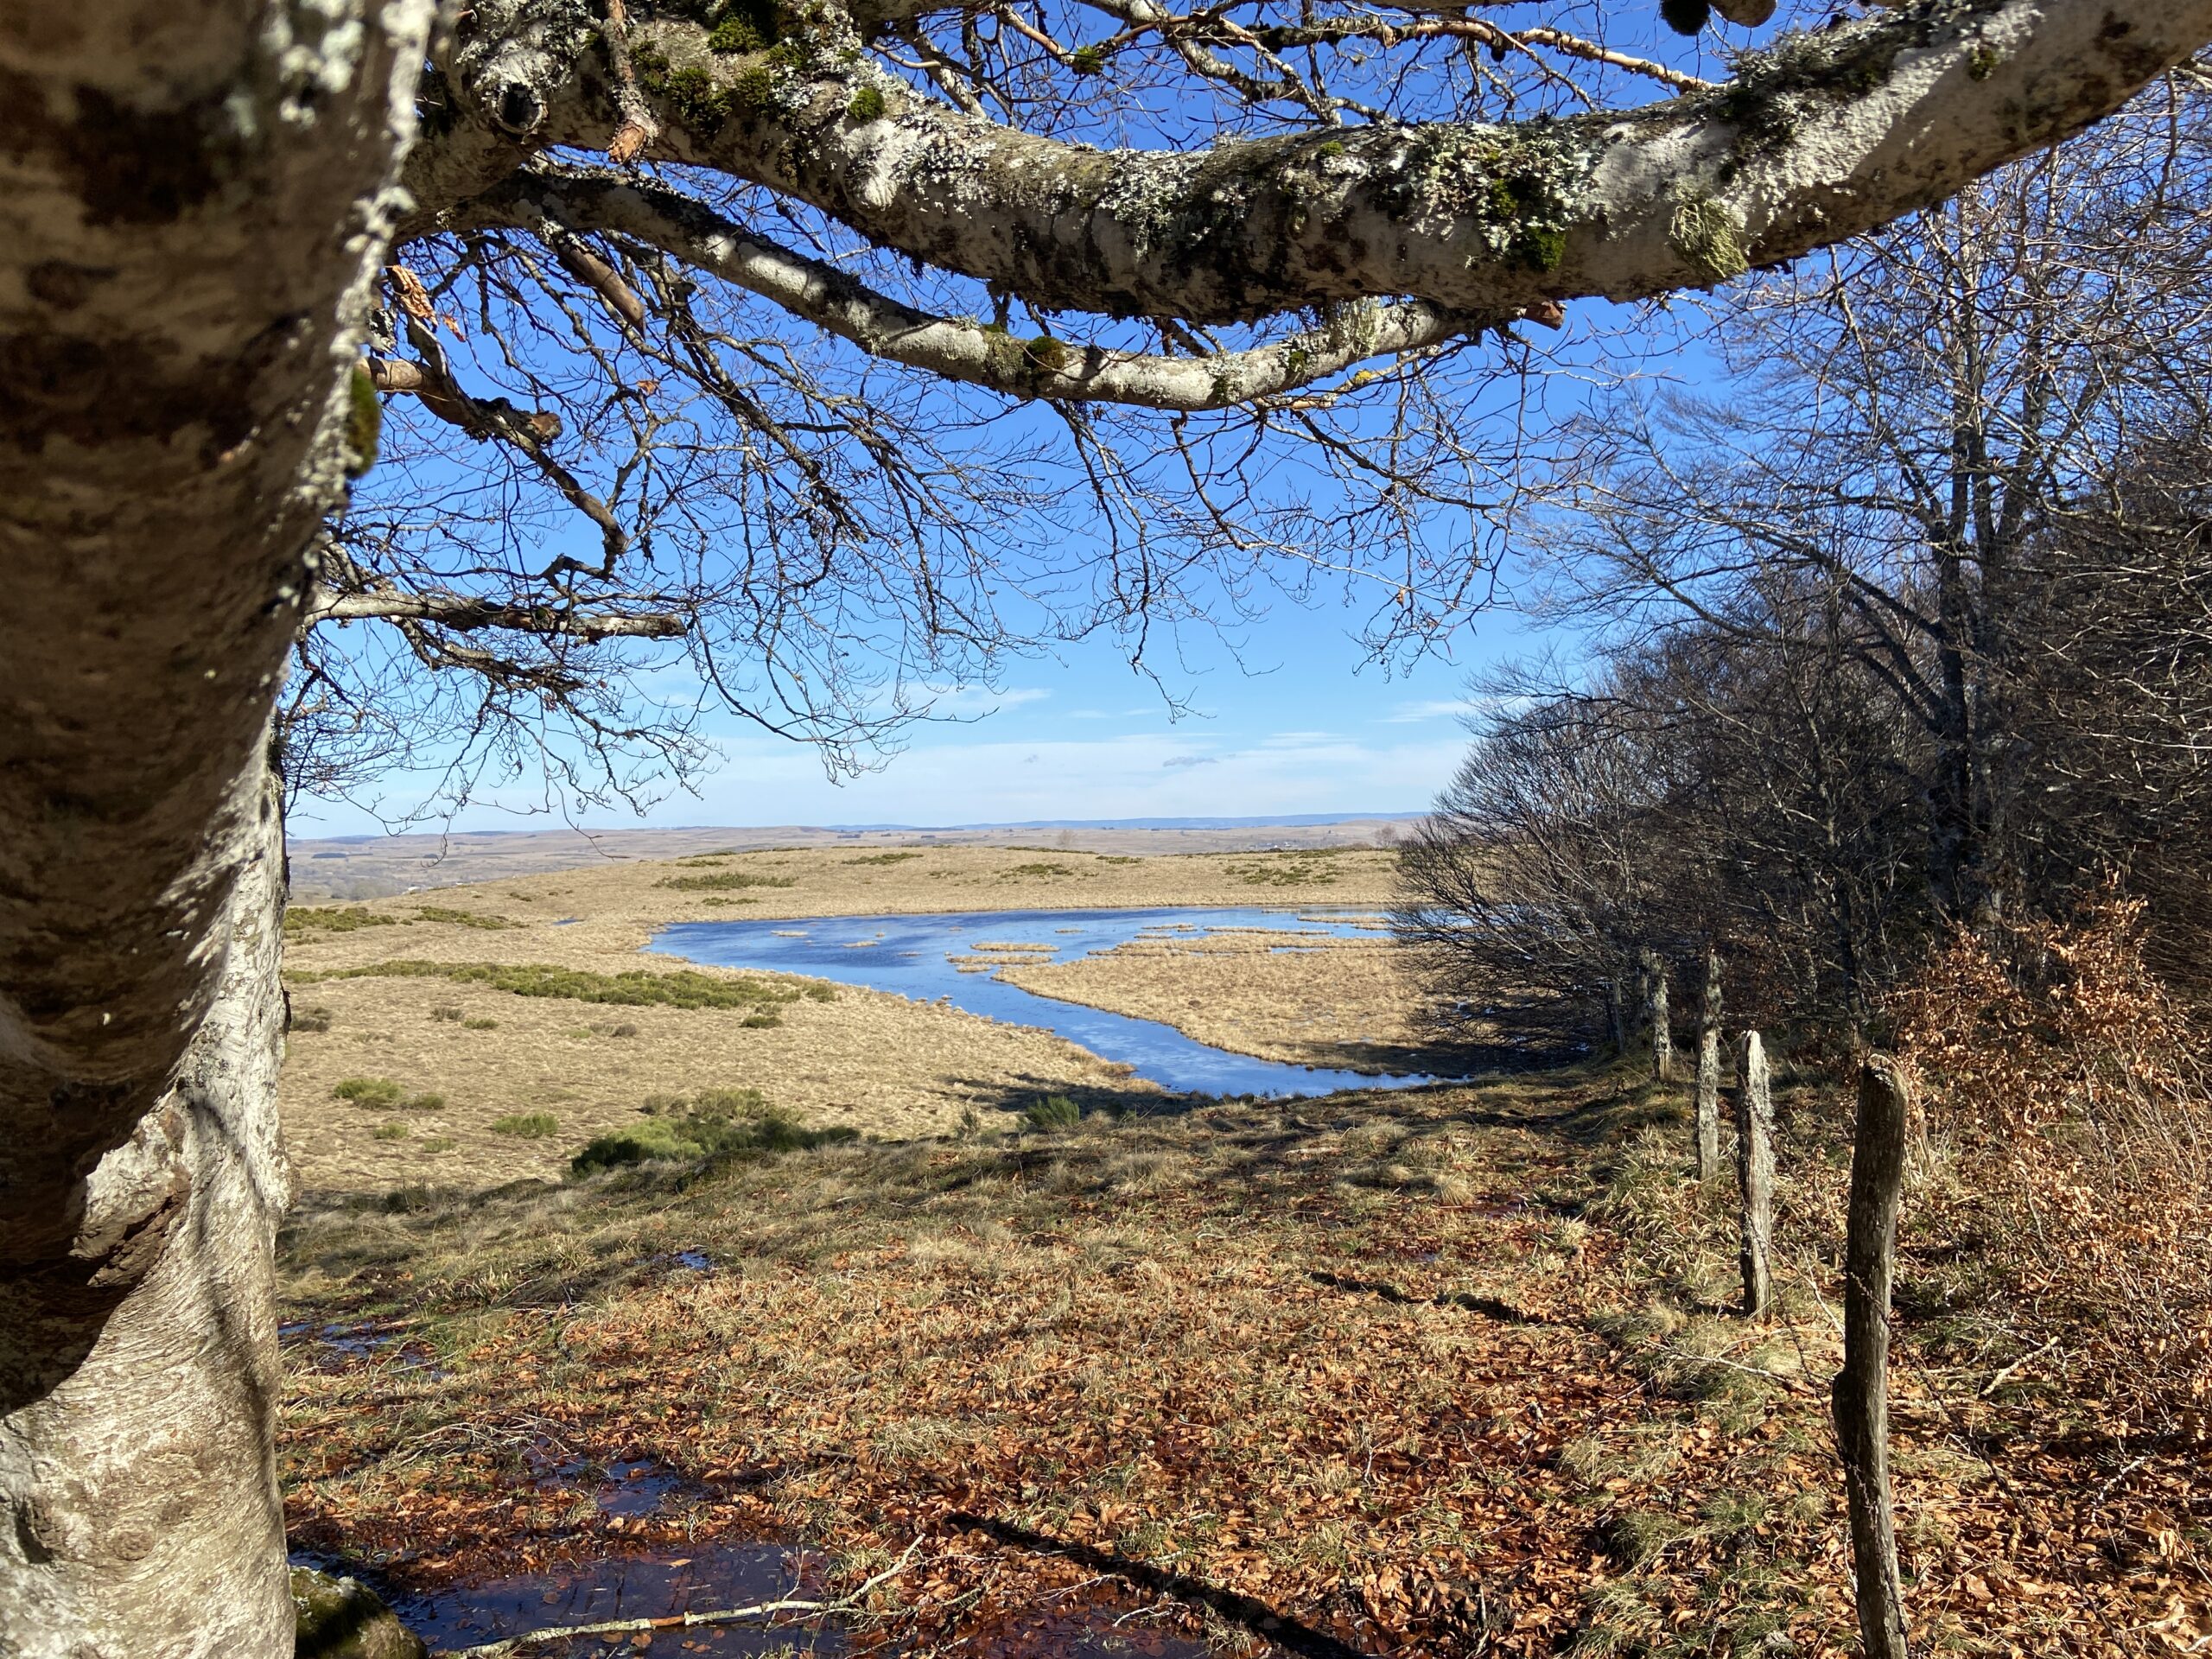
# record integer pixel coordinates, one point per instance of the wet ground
(915, 956)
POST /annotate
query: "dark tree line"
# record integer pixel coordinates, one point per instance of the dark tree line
(1901, 629)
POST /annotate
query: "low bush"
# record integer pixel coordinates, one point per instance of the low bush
(464, 917)
(527, 1126)
(480, 1023)
(716, 1127)
(388, 1132)
(385, 1094)
(368, 1091)
(447, 1012)
(723, 880)
(1054, 1112)
(311, 1019)
(636, 988)
(350, 918)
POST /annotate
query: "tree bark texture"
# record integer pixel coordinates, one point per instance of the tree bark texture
(1755, 1174)
(1617, 203)
(1663, 1035)
(1707, 1123)
(195, 198)
(1861, 1394)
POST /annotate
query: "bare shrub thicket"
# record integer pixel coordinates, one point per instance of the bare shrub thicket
(1896, 695)
(2067, 1115)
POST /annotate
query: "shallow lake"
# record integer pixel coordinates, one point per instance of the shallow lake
(913, 955)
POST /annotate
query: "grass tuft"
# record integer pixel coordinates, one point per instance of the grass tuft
(636, 988)
(527, 1126)
(723, 882)
(717, 1127)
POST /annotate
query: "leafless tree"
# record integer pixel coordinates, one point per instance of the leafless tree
(1905, 626)
(232, 231)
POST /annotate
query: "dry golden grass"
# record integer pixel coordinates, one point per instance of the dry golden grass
(890, 1068)
(1350, 1003)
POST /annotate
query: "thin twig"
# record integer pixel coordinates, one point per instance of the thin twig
(507, 1645)
(1998, 1381)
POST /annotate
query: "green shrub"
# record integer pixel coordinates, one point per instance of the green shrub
(463, 918)
(1054, 1112)
(310, 1019)
(636, 988)
(349, 918)
(723, 880)
(820, 992)
(883, 858)
(439, 1143)
(716, 1127)
(528, 1126)
(480, 1024)
(368, 1091)
(446, 1011)
(388, 1132)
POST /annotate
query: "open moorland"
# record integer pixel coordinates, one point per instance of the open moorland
(486, 1033)
(1447, 1370)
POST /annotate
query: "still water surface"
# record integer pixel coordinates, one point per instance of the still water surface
(914, 956)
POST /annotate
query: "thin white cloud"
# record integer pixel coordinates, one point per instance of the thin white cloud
(1411, 714)
(980, 699)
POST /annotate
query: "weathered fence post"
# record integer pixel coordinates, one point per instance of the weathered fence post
(1654, 1010)
(1617, 1013)
(1861, 1394)
(1755, 1174)
(1708, 1072)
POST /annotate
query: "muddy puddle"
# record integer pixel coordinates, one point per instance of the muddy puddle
(668, 1582)
(692, 1579)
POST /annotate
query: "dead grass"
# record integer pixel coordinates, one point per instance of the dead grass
(524, 1042)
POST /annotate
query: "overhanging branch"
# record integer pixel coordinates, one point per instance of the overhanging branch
(554, 201)
(465, 614)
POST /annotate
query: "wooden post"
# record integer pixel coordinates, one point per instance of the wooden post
(1861, 1394)
(1708, 1072)
(1662, 1036)
(1617, 1013)
(1755, 1174)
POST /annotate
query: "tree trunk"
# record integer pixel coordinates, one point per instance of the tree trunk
(197, 204)
(1617, 1013)
(1708, 1072)
(1862, 1387)
(1663, 1035)
(1755, 1174)
(136, 1448)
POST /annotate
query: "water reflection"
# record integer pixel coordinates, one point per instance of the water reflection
(917, 957)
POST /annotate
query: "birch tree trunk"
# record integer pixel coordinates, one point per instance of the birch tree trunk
(1662, 1036)
(1861, 1394)
(1755, 1174)
(196, 199)
(1709, 1072)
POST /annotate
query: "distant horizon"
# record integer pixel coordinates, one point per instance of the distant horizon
(1261, 821)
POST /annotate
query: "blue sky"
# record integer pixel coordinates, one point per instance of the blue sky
(1293, 720)
(1300, 724)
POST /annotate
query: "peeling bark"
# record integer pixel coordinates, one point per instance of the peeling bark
(195, 204)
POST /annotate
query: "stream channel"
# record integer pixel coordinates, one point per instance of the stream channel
(913, 955)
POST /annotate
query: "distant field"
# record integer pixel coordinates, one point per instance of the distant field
(376, 866)
(428, 1027)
